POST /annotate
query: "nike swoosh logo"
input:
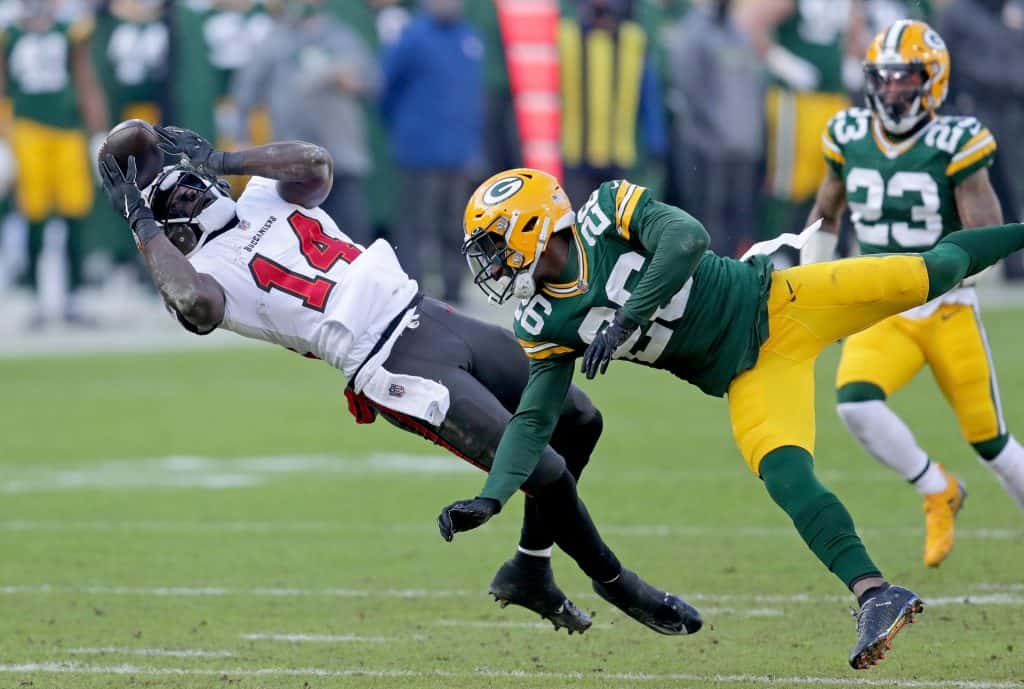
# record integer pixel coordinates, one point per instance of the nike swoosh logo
(792, 292)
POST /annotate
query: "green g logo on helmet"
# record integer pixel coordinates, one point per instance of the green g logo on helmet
(502, 190)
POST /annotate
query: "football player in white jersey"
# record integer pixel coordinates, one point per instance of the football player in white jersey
(275, 267)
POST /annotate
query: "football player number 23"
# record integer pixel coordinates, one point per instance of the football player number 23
(321, 252)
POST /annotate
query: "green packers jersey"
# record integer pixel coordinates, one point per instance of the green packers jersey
(707, 333)
(210, 45)
(815, 32)
(39, 75)
(902, 194)
(131, 61)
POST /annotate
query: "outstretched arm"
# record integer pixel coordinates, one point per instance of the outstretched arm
(304, 171)
(519, 451)
(196, 297)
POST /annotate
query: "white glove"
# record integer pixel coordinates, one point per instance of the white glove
(8, 168)
(95, 141)
(798, 73)
(820, 247)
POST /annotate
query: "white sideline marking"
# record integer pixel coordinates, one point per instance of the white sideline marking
(771, 680)
(155, 652)
(987, 598)
(319, 638)
(185, 471)
(656, 530)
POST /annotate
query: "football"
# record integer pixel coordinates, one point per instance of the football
(135, 138)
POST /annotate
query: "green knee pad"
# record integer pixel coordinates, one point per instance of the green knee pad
(990, 449)
(859, 392)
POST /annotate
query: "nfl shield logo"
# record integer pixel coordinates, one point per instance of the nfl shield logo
(396, 390)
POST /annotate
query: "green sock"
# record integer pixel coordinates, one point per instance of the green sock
(817, 514)
(967, 252)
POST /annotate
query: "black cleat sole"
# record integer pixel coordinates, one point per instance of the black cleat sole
(875, 652)
(568, 617)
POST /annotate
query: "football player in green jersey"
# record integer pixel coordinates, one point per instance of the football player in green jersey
(910, 177)
(47, 73)
(629, 277)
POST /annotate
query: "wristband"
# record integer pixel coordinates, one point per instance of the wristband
(144, 227)
(227, 162)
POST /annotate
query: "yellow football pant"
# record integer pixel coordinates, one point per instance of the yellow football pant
(809, 307)
(795, 122)
(54, 174)
(952, 342)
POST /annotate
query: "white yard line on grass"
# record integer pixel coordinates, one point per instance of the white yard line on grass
(639, 530)
(24, 476)
(319, 638)
(989, 597)
(766, 680)
(154, 652)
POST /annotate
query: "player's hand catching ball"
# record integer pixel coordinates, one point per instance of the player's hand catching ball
(201, 155)
(601, 350)
(465, 515)
(123, 192)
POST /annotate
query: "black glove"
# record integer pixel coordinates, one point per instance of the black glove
(600, 351)
(124, 195)
(200, 153)
(465, 515)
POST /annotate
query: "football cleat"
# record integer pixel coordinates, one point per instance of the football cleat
(536, 590)
(879, 620)
(663, 612)
(940, 510)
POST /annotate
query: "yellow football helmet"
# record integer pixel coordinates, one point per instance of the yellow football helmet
(508, 222)
(907, 70)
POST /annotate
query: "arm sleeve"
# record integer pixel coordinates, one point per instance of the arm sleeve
(677, 242)
(530, 428)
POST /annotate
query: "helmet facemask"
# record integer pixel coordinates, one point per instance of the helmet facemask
(498, 270)
(896, 93)
(190, 207)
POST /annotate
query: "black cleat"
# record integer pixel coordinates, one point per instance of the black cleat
(536, 590)
(663, 612)
(880, 618)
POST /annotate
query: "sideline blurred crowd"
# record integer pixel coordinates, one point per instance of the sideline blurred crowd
(718, 106)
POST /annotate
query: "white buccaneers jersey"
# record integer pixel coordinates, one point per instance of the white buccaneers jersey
(291, 277)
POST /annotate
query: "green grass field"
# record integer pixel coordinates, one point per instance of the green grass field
(215, 519)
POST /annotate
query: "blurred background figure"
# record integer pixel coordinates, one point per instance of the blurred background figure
(611, 95)
(986, 43)
(812, 49)
(719, 86)
(131, 51)
(60, 114)
(213, 39)
(433, 109)
(313, 73)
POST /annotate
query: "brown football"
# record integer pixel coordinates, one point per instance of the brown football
(135, 138)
